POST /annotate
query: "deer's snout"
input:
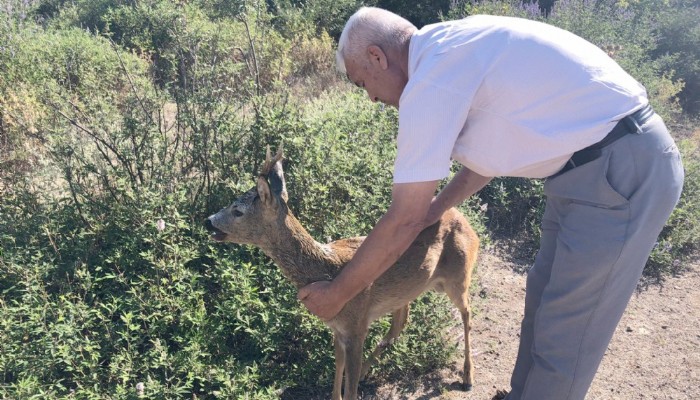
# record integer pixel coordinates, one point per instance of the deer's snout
(216, 233)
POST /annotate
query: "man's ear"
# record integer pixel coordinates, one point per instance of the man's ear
(377, 57)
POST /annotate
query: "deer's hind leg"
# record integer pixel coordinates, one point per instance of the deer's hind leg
(458, 292)
(398, 322)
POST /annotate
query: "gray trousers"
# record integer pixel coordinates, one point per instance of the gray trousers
(600, 224)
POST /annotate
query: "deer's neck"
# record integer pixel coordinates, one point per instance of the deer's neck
(301, 259)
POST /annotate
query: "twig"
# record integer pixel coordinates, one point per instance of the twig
(74, 195)
(96, 138)
(131, 82)
(251, 43)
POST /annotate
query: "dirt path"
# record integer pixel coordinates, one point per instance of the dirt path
(655, 353)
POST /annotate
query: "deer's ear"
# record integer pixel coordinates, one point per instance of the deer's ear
(264, 190)
(277, 183)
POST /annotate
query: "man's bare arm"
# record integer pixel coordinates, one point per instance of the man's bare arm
(462, 186)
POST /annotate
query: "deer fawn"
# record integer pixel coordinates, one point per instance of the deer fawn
(440, 258)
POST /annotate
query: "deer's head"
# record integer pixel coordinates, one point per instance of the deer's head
(253, 216)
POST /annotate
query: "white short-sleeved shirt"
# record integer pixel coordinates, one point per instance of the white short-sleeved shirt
(505, 97)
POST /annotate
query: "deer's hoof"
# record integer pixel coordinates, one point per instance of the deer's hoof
(467, 387)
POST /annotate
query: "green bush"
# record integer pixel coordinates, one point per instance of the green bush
(678, 242)
(678, 33)
(513, 208)
(49, 102)
(95, 309)
(420, 13)
(321, 15)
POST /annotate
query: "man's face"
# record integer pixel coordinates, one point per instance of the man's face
(381, 78)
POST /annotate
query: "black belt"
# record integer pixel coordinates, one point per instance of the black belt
(629, 124)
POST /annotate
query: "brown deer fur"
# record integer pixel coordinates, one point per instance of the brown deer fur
(440, 258)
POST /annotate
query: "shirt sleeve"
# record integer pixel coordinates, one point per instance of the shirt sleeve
(431, 117)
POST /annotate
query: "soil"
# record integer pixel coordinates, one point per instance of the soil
(654, 354)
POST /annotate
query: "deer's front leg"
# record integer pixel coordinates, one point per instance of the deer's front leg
(353, 364)
(339, 367)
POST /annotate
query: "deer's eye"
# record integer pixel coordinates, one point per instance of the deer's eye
(237, 213)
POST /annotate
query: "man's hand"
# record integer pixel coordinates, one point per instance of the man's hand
(321, 299)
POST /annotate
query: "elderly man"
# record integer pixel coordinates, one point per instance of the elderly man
(511, 97)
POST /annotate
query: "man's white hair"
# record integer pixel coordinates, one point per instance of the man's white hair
(371, 26)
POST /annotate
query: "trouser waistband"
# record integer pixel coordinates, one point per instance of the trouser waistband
(629, 124)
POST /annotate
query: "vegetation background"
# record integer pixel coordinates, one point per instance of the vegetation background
(124, 123)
